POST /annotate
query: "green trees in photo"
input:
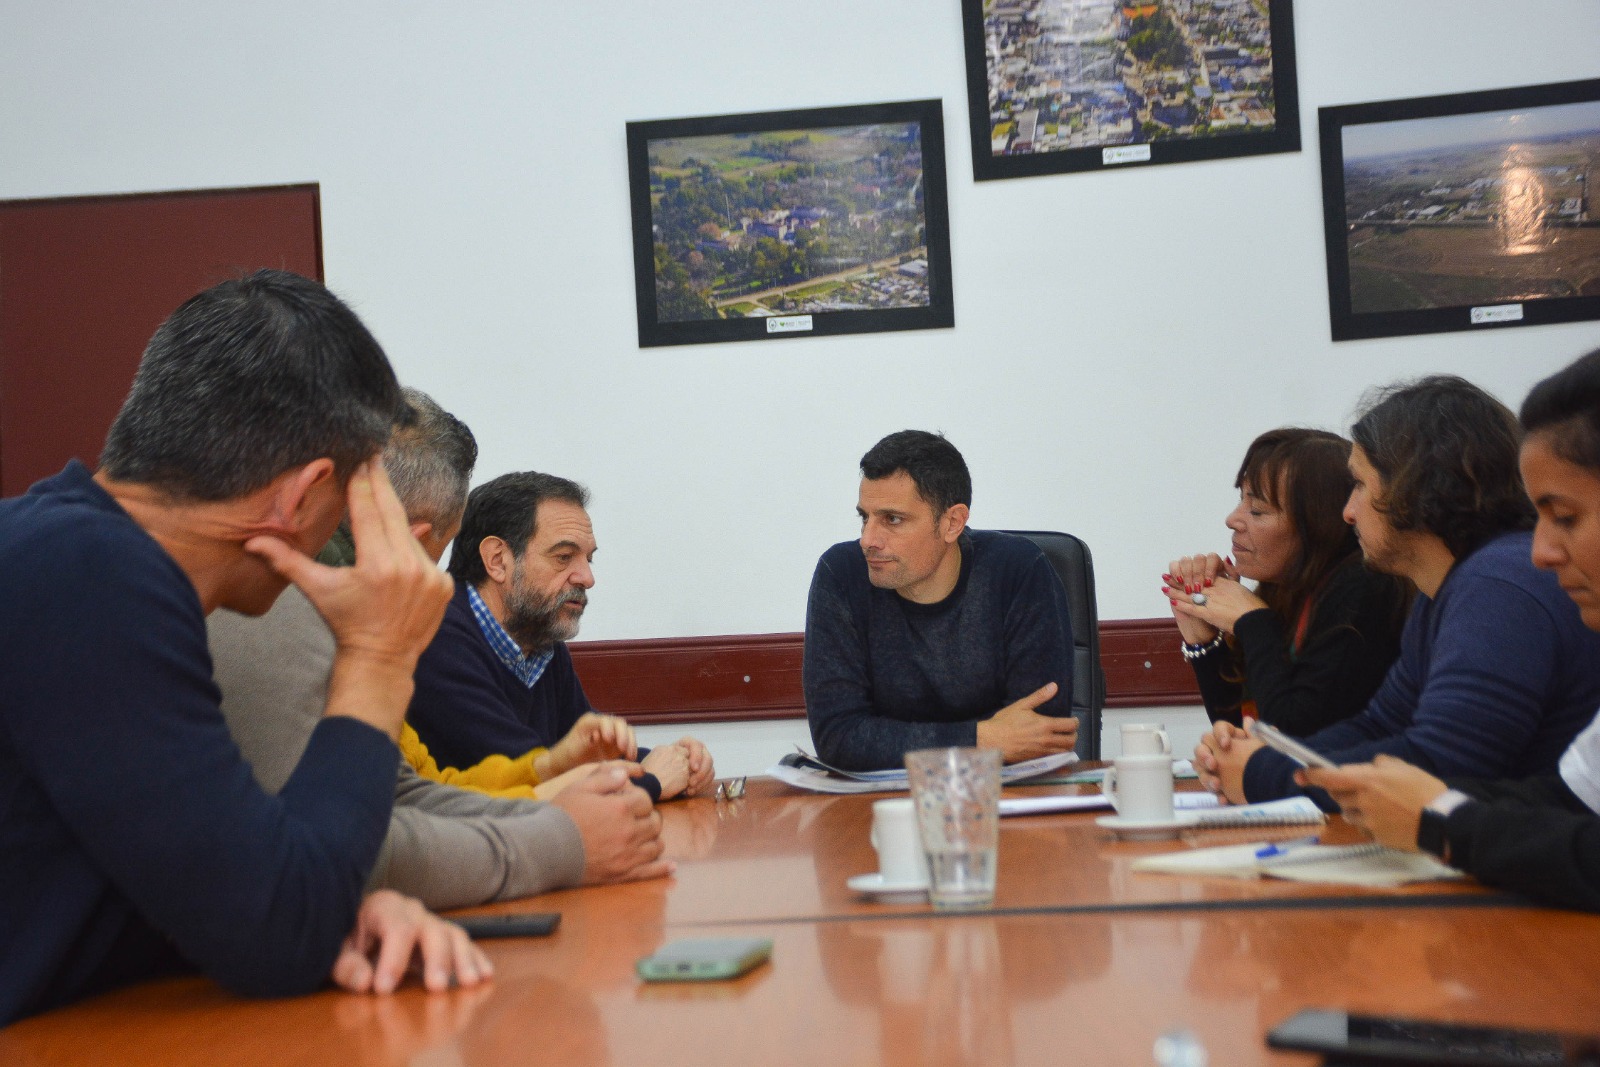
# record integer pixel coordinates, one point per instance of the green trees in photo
(735, 216)
(1156, 41)
(676, 298)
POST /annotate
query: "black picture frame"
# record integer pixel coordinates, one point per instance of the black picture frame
(911, 293)
(1453, 212)
(1013, 61)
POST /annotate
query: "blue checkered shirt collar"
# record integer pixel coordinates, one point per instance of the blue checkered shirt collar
(526, 669)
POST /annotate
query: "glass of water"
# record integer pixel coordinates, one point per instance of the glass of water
(957, 792)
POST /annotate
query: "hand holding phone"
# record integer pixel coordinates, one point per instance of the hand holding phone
(1279, 741)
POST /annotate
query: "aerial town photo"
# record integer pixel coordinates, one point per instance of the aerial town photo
(1472, 209)
(788, 222)
(1067, 74)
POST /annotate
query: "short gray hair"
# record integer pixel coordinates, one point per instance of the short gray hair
(430, 462)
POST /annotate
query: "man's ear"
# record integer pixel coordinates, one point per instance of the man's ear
(953, 522)
(419, 530)
(297, 497)
(497, 559)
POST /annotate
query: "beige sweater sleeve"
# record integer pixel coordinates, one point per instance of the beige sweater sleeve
(446, 846)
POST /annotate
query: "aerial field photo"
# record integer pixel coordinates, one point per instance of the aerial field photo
(786, 222)
(1473, 209)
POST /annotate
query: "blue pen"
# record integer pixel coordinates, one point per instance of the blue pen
(1280, 848)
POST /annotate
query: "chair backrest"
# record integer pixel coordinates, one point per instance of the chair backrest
(1071, 559)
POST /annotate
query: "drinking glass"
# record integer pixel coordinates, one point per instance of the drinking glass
(957, 791)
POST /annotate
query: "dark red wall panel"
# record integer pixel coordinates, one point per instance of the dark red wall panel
(757, 676)
(84, 282)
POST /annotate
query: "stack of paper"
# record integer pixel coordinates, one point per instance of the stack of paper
(1094, 802)
(805, 771)
(1181, 768)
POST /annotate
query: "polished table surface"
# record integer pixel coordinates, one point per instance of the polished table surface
(1081, 961)
(794, 851)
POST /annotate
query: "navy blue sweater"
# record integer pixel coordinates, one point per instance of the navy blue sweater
(134, 837)
(468, 706)
(884, 675)
(1496, 675)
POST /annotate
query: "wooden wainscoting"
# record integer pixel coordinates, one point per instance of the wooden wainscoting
(1144, 668)
(742, 677)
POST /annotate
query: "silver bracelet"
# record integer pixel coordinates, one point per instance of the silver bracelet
(1194, 652)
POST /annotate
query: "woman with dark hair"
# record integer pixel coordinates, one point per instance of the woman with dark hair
(1312, 643)
(1540, 835)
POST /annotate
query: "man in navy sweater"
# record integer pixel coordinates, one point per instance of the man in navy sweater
(1538, 835)
(136, 841)
(447, 847)
(925, 634)
(1497, 672)
(498, 679)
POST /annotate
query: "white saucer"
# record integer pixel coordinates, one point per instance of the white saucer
(874, 885)
(1148, 829)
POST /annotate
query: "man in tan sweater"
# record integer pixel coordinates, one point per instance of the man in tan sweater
(448, 847)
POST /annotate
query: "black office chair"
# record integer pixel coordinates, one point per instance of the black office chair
(1075, 566)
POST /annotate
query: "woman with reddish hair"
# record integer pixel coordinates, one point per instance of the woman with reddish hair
(1310, 643)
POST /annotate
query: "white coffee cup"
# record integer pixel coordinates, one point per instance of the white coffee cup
(901, 859)
(1140, 787)
(1144, 739)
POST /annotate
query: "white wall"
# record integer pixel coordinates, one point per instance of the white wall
(1119, 338)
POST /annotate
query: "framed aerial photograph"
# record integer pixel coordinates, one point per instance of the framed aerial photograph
(1463, 212)
(1073, 85)
(790, 223)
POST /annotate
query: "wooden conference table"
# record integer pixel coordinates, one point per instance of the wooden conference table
(1080, 961)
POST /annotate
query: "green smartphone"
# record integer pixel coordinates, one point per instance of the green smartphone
(705, 959)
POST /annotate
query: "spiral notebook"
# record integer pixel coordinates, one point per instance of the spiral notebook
(1364, 865)
(1291, 811)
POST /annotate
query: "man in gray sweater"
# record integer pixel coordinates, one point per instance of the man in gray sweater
(448, 847)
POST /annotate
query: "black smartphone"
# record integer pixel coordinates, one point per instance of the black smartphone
(515, 924)
(1380, 1038)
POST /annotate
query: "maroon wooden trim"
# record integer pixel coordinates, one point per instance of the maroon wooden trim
(694, 679)
(743, 677)
(1143, 666)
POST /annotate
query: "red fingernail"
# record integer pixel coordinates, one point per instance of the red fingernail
(1208, 583)
(1230, 561)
